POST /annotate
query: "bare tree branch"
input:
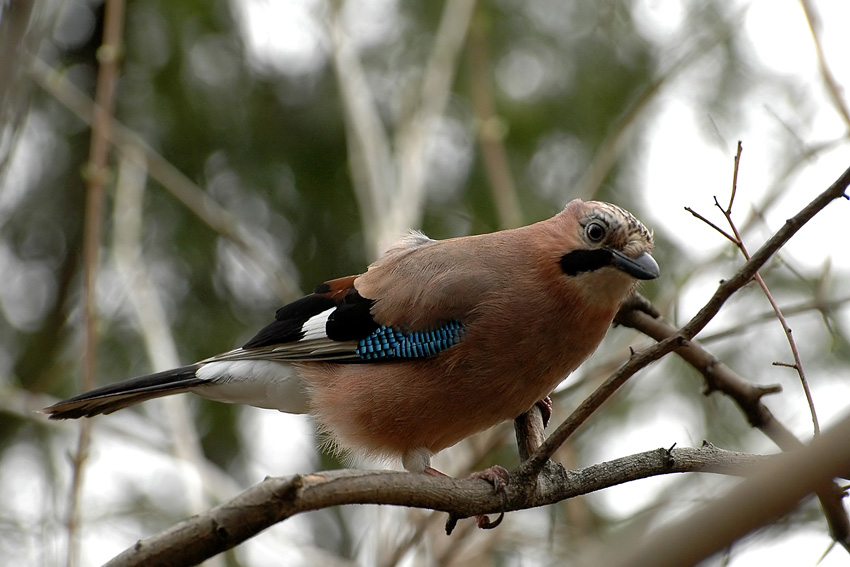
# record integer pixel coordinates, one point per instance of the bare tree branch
(96, 173)
(276, 499)
(606, 154)
(389, 186)
(832, 86)
(490, 128)
(153, 325)
(739, 242)
(824, 306)
(774, 490)
(748, 397)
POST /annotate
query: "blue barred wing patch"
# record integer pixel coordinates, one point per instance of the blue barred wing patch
(386, 343)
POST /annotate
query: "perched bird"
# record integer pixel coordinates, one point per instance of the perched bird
(437, 340)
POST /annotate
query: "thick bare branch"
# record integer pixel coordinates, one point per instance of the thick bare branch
(276, 499)
(770, 493)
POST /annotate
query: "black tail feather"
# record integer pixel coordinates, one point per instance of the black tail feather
(119, 395)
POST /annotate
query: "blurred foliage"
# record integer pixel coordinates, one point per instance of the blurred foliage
(268, 143)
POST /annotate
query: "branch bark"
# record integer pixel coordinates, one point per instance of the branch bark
(773, 491)
(277, 499)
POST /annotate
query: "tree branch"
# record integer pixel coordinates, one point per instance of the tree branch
(748, 397)
(773, 491)
(277, 499)
(490, 129)
(739, 243)
(832, 86)
(96, 173)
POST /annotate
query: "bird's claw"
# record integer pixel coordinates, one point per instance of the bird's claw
(545, 406)
(484, 522)
(496, 475)
(499, 477)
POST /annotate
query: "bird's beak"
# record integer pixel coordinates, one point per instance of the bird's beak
(644, 267)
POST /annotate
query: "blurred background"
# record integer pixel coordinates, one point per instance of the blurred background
(261, 147)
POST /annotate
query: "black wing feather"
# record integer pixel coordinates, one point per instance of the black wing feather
(288, 325)
(352, 319)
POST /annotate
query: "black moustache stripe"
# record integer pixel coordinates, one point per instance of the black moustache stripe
(578, 261)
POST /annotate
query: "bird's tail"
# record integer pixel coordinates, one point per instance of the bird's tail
(113, 397)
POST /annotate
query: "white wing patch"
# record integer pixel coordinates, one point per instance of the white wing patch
(314, 327)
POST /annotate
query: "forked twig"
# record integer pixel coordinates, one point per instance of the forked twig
(739, 242)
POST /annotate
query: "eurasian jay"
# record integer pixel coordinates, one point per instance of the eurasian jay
(437, 340)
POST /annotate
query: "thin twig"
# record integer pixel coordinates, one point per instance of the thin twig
(712, 225)
(96, 172)
(739, 242)
(773, 193)
(821, 305)
(734, 181)
(832, 86)
(798, 362)
(490, 128)
(607, 153)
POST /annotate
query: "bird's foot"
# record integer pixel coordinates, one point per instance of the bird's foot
(496, 475)
(545, 406)
(499, 477)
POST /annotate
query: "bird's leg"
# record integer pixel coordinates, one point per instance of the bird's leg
(545, 406)
(496, 475)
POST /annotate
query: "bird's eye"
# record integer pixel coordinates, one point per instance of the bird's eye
(595, 231)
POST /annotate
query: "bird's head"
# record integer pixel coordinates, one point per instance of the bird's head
(608, 237)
